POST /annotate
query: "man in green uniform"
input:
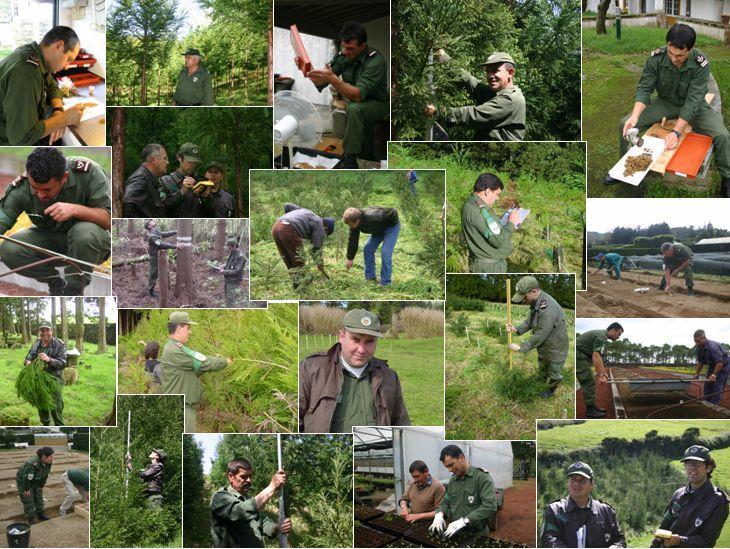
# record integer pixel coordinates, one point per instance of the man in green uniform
(469, 502)
(28, 90)
(181, 198)
(489, 243)
(194, 85)
(219, 200)
(52, 351)
(74, 480)
(347, 386)
(143, 194)
(589, 353)
(679, 73)
(181, 366)
(69, 203)
(677, 259)
(232, 273)
(549, 331)
(499, 113)
(236, 518)
(359, 74)
(155, 243)
(30, 480)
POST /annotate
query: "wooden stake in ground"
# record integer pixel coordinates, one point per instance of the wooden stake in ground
(509, 318)
(283, 540)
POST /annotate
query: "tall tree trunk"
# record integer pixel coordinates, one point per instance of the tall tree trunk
(80, 324)
(220, 239)
(163, 275)
(53, 314)
(270, 61)
(184, 290)
(64, 319)
(29, 319)
(603, 6)
(117, 135)
(5, 306)
(159, 70)
(143, 78)
(101, 348)
(130, 225)
(23, 323)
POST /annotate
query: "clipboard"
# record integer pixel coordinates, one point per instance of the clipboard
(523, 212)
(303, 62)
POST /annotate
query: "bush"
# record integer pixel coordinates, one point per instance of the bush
(458, 303)
(81, 440)
(320, 319)
(518, 384)
(459, 325)
(417, 323)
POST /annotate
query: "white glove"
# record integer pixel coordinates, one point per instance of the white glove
(454, 527)
(514, 347)
(438, 523)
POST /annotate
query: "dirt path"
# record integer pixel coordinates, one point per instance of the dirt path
(517, 518)
(611, 298)
(69, 531)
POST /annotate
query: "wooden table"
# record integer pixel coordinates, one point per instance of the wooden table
(92, 132)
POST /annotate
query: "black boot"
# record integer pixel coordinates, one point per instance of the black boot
(593, 412)
(348, 162)
(43, 516)
(690, 291)
(153, 293)
(57, 286)
(547, 394)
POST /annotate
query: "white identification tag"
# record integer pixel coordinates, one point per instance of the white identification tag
(495, 227)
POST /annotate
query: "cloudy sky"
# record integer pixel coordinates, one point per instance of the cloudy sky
(658, 331)
(605, 214)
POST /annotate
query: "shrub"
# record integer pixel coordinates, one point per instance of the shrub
(459, 325)
(458, 303)
(417, 323)
(518, 384)
(320, 319)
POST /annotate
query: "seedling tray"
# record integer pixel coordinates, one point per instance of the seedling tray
(395, 524)
(368, 537)
(691, 155)
(366, 513)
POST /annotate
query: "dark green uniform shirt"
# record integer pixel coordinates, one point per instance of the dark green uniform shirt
(79, 477)
(355, 405)
(235, 521)
(368, 73)
(87, 185)
(496, 116)
(181, 367)
(32, 474)
(683, 87)
(470, 496)
(591, 342)
(549, 330)
(26, 88)
(485, 237)
(681, 254)
(194, 89)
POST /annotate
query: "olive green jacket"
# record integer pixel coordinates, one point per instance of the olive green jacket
(549, 329)
(32, 474)
(194, 89)
(484, 235)
(235, 521)
(471, 496)
(368, 73)
(181, 368)
(590, 342)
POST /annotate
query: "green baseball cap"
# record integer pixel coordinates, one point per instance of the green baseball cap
(580, 468)
(696, 453)
(215, 164)
(497, 58)
(180, 317)
(160, 452)
(45, 325)
(231, 242)
(191, 51)
(361, 321)
(190, 152)
(524, 285)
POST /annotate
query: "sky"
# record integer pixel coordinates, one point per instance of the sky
(658, 331)
(208, 442)
(195, 16)
(604, 214)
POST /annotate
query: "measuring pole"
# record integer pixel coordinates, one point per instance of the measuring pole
(126, 479)
(429, 135)
(509, 318)
(283, 542)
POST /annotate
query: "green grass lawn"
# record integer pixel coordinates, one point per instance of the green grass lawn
(419, 364)
(611, 70)
(590, 433)
(475, 407)
(87, 402)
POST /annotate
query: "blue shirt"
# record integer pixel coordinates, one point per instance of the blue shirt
(712, 353)
(612, 259)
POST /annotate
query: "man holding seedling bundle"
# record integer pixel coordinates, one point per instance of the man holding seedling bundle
(181, 366)
(549, 331)
(589, 352)
(712, 354)
(677, 259)
(580, 520)
(347, 386)
(499, 112)
(237, 520)
(489, 243)
(52, 351)
(470, 499)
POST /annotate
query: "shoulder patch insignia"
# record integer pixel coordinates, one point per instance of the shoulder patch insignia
(657, 51)
(32, 60)
(373, 52)
(495, 227)
(19, 179)
(543, 304)
(199, 356)
(702, 61)
(179, 345)
(81, 166)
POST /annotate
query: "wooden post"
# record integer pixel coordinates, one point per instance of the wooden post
(509, 318)
(163, 277)
(467, 335)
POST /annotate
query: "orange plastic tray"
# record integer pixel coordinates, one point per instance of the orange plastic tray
(303, 61)
(690, 155)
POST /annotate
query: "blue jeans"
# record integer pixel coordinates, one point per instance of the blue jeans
(386, 254)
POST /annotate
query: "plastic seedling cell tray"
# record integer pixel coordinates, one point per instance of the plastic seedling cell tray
(367, 537)
(395, 524)
(366, 513)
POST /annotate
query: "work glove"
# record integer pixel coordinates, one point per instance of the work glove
(454, 527)
(438, 523)
(442, 57)
(514, 347)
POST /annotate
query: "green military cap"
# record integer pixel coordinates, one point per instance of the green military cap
(580, 468)
(215, 164)
(180, 317)
(190, 152)
(231, 242)
(498, 57)
(524, 285)
(696, 453)
(45, 325)
(160, 452)
(361, 321)
(192, 51)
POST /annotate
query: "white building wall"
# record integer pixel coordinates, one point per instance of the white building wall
(710, 10)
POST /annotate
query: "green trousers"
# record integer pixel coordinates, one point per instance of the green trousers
(152, 282)
(706, 122)
(584, 375)
(191, 418)
(488, 266)
(552, 372)
(85, 241)
(154, 502)
(689, 279)
(57, 412)
(233, 294)
(32, 505)
(361, 119)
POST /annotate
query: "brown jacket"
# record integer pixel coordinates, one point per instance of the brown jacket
(320, 383)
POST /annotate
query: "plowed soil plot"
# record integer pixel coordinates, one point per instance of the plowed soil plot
(516, 520)
(611, 298)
